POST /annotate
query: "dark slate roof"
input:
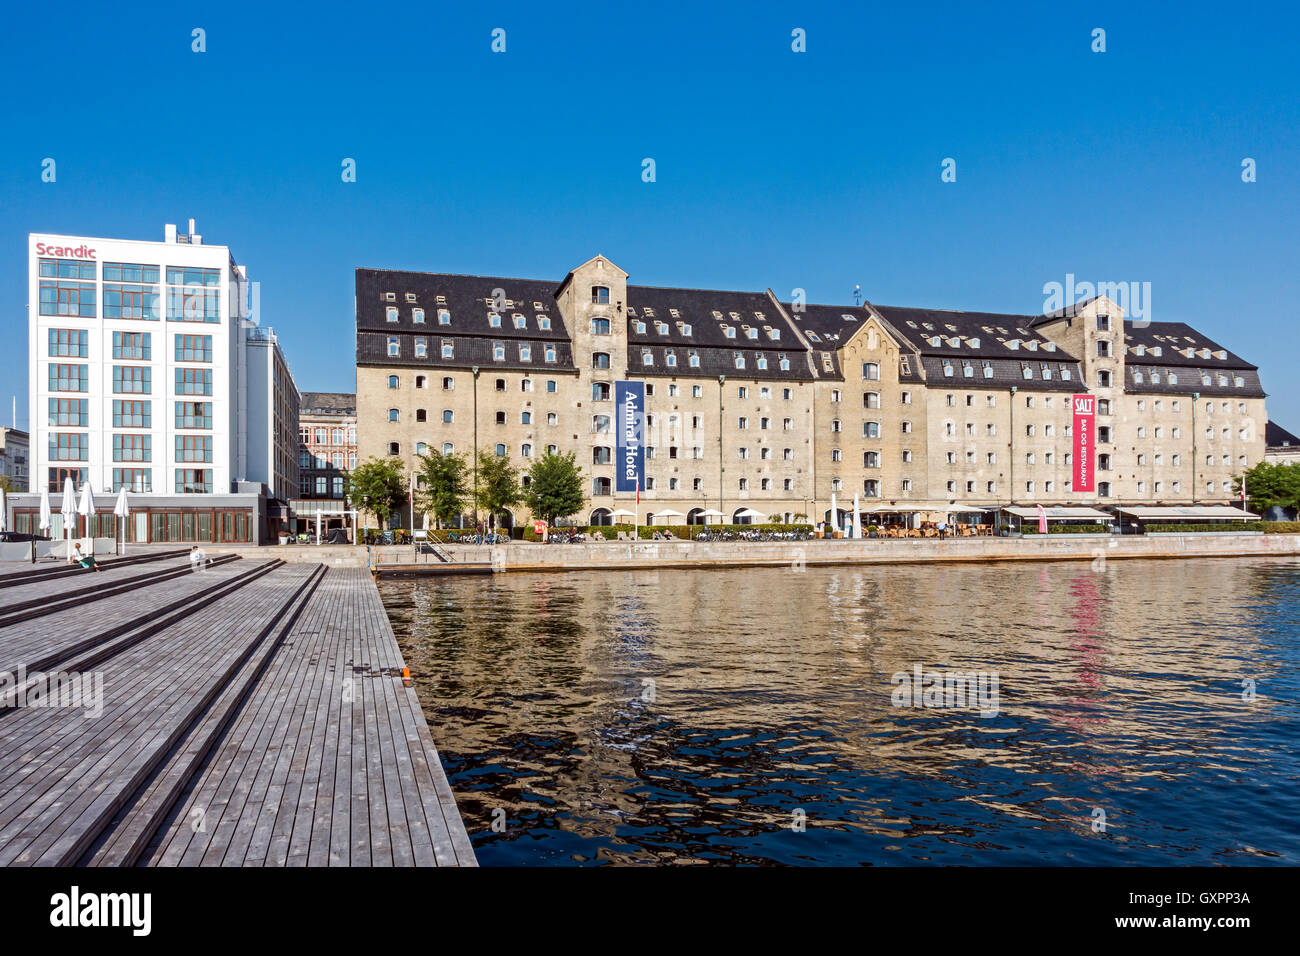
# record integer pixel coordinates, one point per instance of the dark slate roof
(993, 330)
(466, 298)
(1005, 373)
(825, 326)
(468, 351)
(339, 403)
(719, 361)
(1203, 379)
(1172, 336)
(696, 308)
(1275, 436)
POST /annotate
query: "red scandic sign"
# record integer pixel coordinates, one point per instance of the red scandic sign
(539, 527)
(76, 252)
(1085, 412)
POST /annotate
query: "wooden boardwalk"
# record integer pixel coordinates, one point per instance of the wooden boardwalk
(251, 714)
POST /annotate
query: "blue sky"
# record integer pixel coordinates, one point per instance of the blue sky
(818, 170)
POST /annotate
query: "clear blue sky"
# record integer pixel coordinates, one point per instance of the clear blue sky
(819, 170)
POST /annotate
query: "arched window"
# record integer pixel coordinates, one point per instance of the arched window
(394, 448)
(600, 326)
(448, 416)
(448, 448)
(600, 424)
(600, 391)
(600, 294)
(501, 451)
(601, 455)
(602, 517)
(421, 448)
(392, 415)
(600, 486)
(600, 360)
(392, 381)
(420, 415)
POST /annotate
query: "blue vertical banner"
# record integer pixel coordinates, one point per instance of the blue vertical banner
(629, 399)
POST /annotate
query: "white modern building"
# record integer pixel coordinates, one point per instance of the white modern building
(147, 370)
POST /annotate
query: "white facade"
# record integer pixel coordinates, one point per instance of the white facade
(139, 367)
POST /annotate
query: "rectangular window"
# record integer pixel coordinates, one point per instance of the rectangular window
(74, 412)
(193, 481)
(132, 345)
(193, 295)
(134, 379)
(131, 414)
(68, 343)
(138, 480)
(132, 448)
(69, 378)
(60, 296)
(69, 446)
(131, 291)
(193, 414)
(193, 447)
(194, 381)
(193, 348)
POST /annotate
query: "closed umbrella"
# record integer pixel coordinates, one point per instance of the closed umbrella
(86, 506)
(835, 513)
(318, 526)
(4, 512)
(123, 512)
(857, 518)
(69, 512)
(45, 510)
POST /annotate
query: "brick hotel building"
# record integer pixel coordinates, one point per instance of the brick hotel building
(753, 403)
(146, 373)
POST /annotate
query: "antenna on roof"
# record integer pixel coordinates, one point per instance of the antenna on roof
(857, 295)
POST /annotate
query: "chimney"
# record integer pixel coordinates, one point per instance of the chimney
(191, 227)
(169, 232)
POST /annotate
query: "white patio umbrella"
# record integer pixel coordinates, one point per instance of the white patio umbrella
(749, 513)
(857, 518)
(623, 513)
(44, 524)
(835, 513)
(4, 512)
(711, 513)
(69, 512)
(318, 526)
(669, 513)
(123, 512)
(86, 506)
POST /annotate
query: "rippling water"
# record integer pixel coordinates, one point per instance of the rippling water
(689, 717)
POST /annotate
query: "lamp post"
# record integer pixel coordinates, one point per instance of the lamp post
(722, 380)
(1195, 396)
(475, 463)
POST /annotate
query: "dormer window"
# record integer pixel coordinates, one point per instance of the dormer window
(661, 328)
(544, 323)
(391, 313)
(1026, 371)
(783, 362)
(525, 352)
(417, 316)
(494, 320)
(738, 359)
(694, 359)
(520, 321)
(670, 359)
(390, 296)
(550, 353)
(728, 331)
(774, 334)
(685, 328)
(751, 333)
(647, 357)
(761, 361)
(498, 352)
(967, 370)
(947, 367)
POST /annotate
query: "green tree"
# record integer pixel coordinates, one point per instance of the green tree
(555, 485)
(498, 484)
(443, 486)
(1269, 484)
(378, 485)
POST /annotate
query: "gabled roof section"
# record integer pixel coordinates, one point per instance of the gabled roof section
(940, 332)
(1174, 339)
(530, 310)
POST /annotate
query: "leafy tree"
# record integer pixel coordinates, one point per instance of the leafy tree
(1269, 484)
(443, 486)
(7, 484)
(498, 483)
(555, 485)
(378, 485)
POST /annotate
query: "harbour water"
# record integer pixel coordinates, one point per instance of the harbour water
(1147, 713)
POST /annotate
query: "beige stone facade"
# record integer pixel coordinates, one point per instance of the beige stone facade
(762, 404)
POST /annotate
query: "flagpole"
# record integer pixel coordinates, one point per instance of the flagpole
(636, 513)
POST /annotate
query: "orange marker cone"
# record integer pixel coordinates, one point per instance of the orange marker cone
(406, 676)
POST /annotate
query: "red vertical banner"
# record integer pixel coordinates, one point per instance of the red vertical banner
(1085, 418)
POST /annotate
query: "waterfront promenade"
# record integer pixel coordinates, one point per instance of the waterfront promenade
(252, 713)
(615, 555)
